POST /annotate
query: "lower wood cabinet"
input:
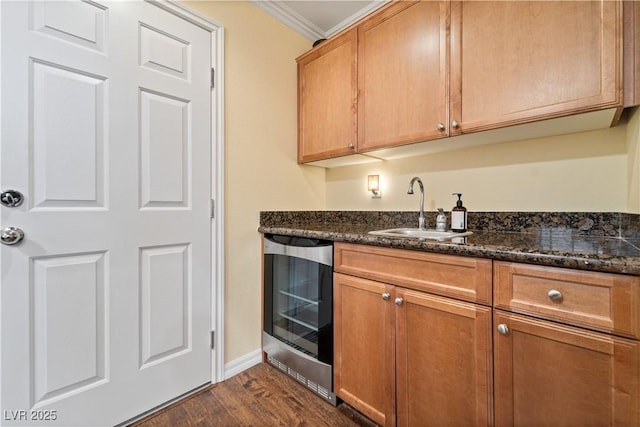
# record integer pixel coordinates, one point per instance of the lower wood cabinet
(364, 356)
(419, 341)
(409, 358)
(548, 374)
(443, 361)
(566, 349)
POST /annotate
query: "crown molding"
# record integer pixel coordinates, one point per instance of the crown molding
(291, 19)
(355, 17)
(303, 26)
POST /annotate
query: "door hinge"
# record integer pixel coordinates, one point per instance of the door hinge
(213, 78)
(213, 340)
(213, 208)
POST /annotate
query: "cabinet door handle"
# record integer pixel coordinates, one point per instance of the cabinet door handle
(386, 296)
(555, 295)
(351, 146)
(441, 127)
(398, 301)
(503, 329)
(455, 124)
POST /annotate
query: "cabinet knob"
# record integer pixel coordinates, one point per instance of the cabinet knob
(398, 301)
(503, 329)
(455, 124)
(386, 296)
(441, 127)
(351, 146)
(555, 295)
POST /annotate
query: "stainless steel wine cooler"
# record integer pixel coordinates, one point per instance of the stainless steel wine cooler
(298, 312)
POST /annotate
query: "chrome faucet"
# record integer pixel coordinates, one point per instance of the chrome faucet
(421, 220)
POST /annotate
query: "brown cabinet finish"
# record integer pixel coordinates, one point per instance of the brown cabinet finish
(405, 356)
(433, 69)
(460, 277)
(518, 61)
(601, 301)
(363, 347)
(631, 53)
(402, 75)
(444, 372)
(327, 99)
(548, 353)
(547, 374)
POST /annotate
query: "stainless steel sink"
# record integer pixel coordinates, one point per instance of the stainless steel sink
(416, 233)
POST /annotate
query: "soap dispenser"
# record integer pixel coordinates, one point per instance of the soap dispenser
(441, 220)
(459, 216)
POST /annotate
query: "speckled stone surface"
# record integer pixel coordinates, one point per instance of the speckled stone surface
(607, 242)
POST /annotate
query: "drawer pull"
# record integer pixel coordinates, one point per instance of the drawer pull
(386, 296)
(503, 329)
(555, 295)
(398, 301)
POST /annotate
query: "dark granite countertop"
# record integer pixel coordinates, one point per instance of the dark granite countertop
(595, 242)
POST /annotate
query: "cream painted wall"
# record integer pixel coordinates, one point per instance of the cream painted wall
(260, 143)
(633, 148)
(577, 172)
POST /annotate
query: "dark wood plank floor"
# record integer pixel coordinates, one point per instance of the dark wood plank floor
(259, 396)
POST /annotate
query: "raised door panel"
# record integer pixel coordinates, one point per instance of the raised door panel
(165, 309)
(514, 62)
(327, 100)
(70, 346)
(444, 361)
(547, 374)
(402, 61)
(67, 162)
(363, 346)
(165, 150)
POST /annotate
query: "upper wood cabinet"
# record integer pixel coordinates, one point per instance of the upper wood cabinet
(631, 53)
(418, 71)
(327, 100)
(517, 61)
(402, 79)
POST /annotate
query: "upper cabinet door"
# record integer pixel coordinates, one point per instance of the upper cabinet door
(520, 61)
(327, 100)
(402, 67)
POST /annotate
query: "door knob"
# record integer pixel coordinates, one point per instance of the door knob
(399, 301)
(11, 198)
(11, 235)
(386, 296)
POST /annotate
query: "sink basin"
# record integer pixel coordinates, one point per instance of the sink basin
(416, 233)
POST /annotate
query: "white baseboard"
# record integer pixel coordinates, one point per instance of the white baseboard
(242, 363)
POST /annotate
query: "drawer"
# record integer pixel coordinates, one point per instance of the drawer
(601, 301)
(454, 276)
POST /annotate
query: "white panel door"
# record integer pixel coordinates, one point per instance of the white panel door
(106, 130)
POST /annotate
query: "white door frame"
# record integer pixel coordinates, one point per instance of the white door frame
(217, 177)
